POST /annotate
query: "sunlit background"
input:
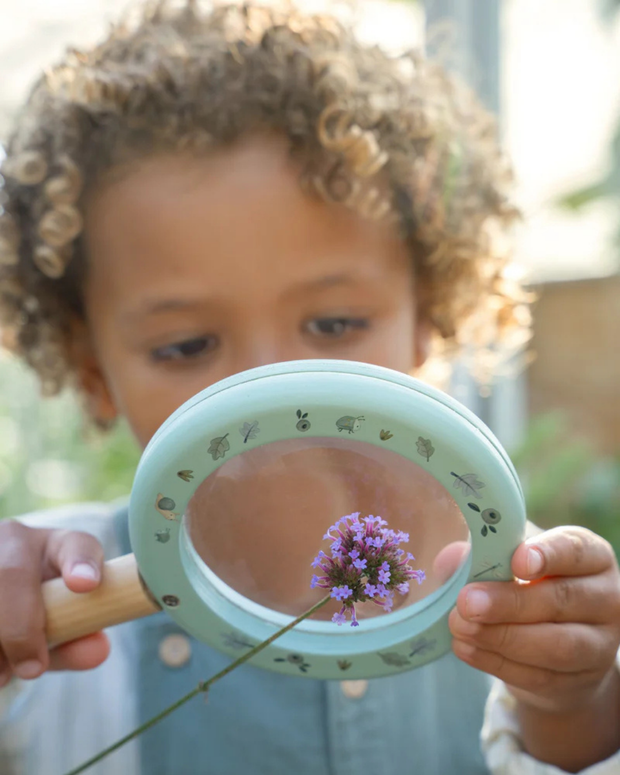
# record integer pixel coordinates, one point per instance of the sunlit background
(551, 69)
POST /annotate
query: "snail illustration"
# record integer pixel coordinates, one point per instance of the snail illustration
(166, 507)
(303, 424)
(350, 424)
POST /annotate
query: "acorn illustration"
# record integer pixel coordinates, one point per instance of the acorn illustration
(491, 516)
(303, 424)
(166, 507)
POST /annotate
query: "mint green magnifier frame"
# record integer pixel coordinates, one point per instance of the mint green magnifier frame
(204, 433)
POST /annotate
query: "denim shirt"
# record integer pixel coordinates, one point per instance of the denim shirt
(261, 723)
(253, 721)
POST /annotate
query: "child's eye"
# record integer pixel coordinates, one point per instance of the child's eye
(335, 327)
(185, 350)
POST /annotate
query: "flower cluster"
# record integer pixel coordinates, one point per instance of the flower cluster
(366, 564)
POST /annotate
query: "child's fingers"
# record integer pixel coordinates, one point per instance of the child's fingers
(5, 672)
(530, 679)
(591, 599)
(563, 648)
(78, 557)
(83, 654)
(22, 616)
(563, 551)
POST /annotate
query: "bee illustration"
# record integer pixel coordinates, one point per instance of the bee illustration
(344, 664)
(185, 475)
(303, 423)
(166, 507)
(349, 424)
(386, 435)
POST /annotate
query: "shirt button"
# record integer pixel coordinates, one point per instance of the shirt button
(354, 690)
(175, 650)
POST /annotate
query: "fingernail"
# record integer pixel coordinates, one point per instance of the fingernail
(85, 571)
(535, 561)
(29, 669)
(478, 603)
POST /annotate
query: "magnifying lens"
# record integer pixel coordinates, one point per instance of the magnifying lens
(235, 493)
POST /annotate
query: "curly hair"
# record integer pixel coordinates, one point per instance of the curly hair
(390, 136)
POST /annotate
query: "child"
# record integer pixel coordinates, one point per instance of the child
(210, 191)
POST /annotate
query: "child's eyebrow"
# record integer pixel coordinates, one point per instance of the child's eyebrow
(153, 307)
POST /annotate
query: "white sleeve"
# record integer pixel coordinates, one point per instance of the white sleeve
(502, 747)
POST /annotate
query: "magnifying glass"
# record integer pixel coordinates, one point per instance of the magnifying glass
(235, 493)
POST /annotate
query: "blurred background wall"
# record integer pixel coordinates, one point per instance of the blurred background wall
(551, 70)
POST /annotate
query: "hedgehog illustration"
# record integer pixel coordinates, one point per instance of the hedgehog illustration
(349, 424)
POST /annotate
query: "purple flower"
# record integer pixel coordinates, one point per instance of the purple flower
(341, 593)
(366, 565)
(384, 576)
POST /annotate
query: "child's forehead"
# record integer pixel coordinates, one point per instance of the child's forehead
(241, 209)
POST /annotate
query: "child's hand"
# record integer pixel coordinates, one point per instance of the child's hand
(27, 558)
(553, 640)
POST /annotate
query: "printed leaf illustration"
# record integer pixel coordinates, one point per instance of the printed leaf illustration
(249, 430)
(425, 448)
(484, 530)
(219, 447)
(468, 483)
(386, 435)
(492, 529)
(185, 475)
(300, 415)
(474, 507)
(394, 660)
(235, 641)
(421, 646)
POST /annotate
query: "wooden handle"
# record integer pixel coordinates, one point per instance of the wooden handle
(120, 597)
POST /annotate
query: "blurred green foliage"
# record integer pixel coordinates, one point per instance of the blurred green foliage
(47, 455)
(566, 482)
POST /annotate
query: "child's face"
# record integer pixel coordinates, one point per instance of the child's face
(201, 268)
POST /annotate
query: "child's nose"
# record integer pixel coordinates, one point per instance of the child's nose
(264, 349)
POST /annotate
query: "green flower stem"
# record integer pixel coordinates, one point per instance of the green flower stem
(202, 687)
